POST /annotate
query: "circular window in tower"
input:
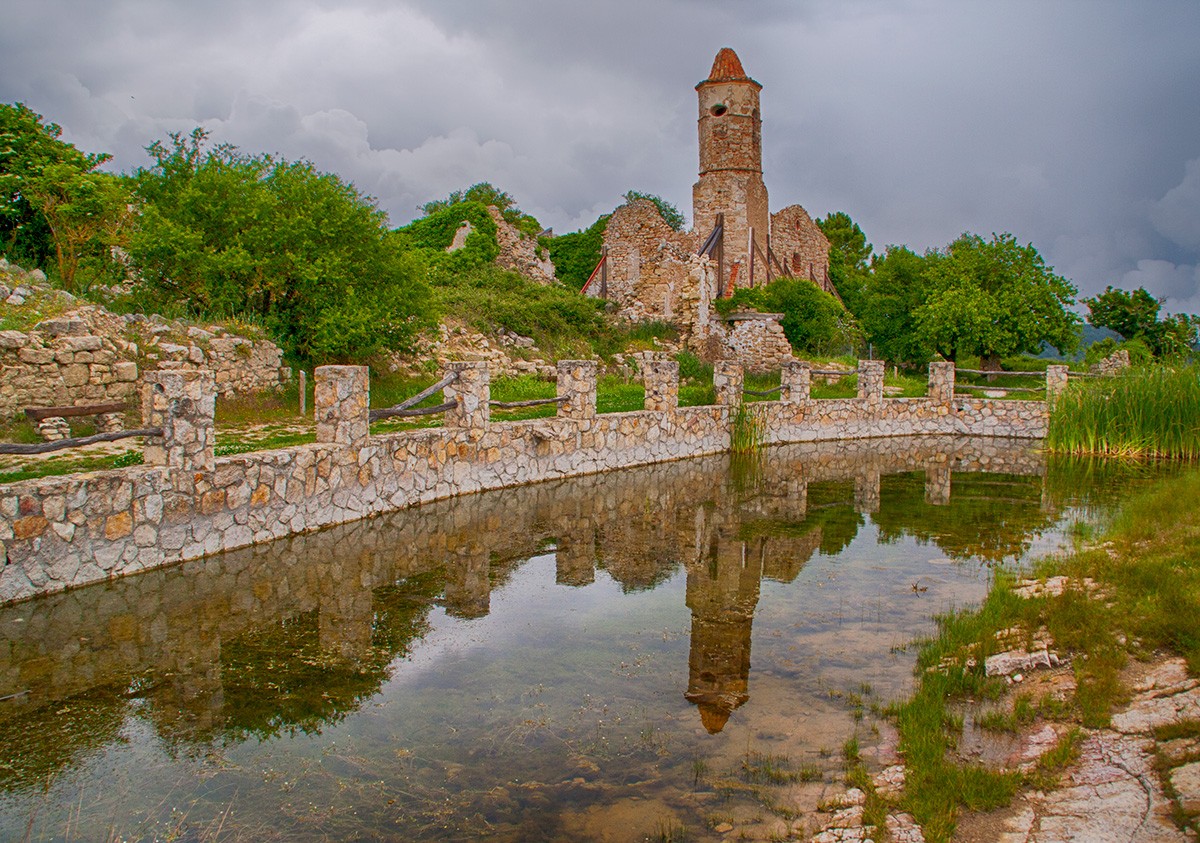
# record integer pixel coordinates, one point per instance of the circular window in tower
(718, 110)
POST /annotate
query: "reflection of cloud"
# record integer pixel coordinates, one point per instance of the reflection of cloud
(1177, 215)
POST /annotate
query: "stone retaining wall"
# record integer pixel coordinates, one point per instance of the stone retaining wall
(62, 362)
(60, 532)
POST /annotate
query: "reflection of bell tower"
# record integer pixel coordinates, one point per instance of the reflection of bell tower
(722, 592)
(731, 181)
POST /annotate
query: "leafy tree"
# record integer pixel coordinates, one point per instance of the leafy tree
(53, 200)
(224, 233)
(670, 214)
(849, 254)
(994, 298)
(1135, 316)
(895, 288)
(813, 320)
(575, 255)
(486, 194)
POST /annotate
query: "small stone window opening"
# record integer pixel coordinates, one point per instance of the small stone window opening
(719, 109)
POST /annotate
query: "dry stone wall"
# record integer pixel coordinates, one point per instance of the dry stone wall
(184, 504)
(61, 365)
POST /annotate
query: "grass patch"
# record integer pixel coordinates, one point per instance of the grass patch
(1145, 598)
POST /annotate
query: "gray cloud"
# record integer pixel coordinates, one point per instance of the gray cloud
(1070, 124)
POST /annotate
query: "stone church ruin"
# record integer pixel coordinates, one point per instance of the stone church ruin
(649, 271)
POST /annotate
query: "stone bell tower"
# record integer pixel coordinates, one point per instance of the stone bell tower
(731, 182)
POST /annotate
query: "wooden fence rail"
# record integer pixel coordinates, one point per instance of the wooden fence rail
(78, 442)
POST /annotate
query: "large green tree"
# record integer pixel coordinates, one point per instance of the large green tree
(895, 288)
(223, 233)
(1135, 316)
(54, 201)
(994, 298)
(849, 258)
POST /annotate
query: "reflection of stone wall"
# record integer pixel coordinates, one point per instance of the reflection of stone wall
(67, 531)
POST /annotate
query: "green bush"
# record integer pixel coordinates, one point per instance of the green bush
(432, 235)
(813, 320)
(222, 233)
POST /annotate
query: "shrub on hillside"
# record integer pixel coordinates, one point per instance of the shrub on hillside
(222, 233)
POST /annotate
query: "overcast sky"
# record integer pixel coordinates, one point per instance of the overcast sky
(1073, 125)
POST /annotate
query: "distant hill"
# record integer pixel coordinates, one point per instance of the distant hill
(1089, 335)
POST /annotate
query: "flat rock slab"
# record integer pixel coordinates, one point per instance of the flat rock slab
(1110, 795)
(1165, 695)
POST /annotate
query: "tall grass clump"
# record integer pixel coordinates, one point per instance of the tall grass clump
(747, 435)
(1151, 411)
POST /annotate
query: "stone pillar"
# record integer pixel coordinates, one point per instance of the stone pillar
(797, 381)
(577, 383)
(941, 382)
(729, 380)
(1056, 381)
(937, 484)
(472, 390)
(341, 402)
(661, 378)
(870, 380)
(182, 403)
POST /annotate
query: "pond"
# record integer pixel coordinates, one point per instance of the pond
(647, 654)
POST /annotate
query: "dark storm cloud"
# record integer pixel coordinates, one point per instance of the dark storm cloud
(1072, 125)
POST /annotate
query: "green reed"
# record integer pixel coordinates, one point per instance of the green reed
(1151, 411)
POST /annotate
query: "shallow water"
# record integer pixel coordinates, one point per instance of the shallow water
(619, 657)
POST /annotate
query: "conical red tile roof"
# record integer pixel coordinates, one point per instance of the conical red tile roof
(727, 67)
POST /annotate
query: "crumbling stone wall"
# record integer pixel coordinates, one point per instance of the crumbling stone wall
(519, 252)
(649, 264)
(801, 246)
(757, 342)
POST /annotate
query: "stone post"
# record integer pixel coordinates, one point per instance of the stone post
(870, 380)
(472, 390)
(941, 382)
(729, 381)
(797, 381)
(341, 402)
(182, 403)
(661, 378)
(1056, 381)
(577, 383)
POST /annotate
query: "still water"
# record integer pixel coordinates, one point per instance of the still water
(619, 657)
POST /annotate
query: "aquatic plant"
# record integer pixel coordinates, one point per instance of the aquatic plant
(1150, 411)
(747, 433)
